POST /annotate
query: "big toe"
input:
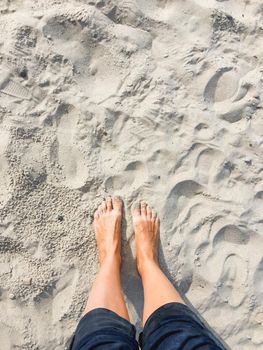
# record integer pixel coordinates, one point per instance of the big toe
(117, 203)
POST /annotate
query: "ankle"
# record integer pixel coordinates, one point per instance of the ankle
(146, 262)
(111, 258)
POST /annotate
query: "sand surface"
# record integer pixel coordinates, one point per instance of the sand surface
(155, 100)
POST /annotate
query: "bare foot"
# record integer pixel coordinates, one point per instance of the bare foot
(146, 226)
(107, 224)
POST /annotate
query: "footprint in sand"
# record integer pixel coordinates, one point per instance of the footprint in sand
(77, 35)
(207, 163)
(66, 151)
(64, 292)
(232, 234)
(134, 176)
(233, 279)
(57, 298)
(178, 199)
(8, 86)
(232, 283)
(13, 93)
(232, 96)
(5, 181)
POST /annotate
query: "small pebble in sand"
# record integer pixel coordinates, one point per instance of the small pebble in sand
(60, 218)
(248, 161)
(28, 281)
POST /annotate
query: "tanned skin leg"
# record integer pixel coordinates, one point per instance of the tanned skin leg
(158, 290)
(106, 291)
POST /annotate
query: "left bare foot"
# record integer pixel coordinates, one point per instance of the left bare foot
(146, 226)
(107, 224)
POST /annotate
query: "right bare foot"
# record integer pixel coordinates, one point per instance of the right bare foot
(107, 224)
(146, 226)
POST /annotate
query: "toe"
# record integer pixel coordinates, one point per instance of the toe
(96, 214)
(109, 203)
(149, 212)
(143, 208)
(100, 209)
(117, 203)
(104, 206)
(154, 215)
(136, 209)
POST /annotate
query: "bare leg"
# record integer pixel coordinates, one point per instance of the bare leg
(106, 291)
(158, 290)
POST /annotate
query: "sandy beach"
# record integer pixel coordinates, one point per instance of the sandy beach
(146, 99)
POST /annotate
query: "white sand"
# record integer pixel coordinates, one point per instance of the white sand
(160, 100)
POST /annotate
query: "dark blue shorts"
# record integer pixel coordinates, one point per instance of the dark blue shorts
(173, 326)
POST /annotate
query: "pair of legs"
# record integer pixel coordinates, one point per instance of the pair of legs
(106, 291)
(168, 323)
